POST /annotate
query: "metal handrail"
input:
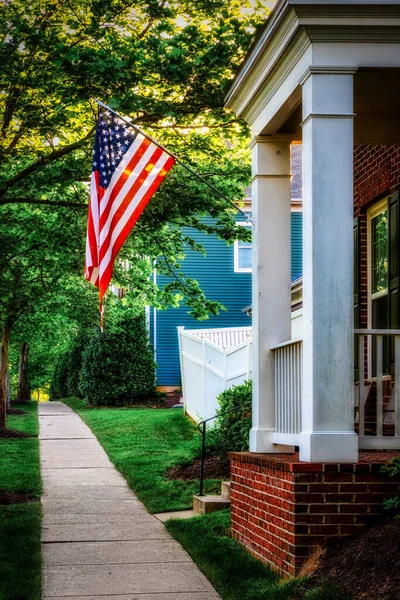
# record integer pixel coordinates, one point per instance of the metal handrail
(202, 428)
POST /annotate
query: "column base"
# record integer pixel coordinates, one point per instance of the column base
(329, 446)
(261, 442)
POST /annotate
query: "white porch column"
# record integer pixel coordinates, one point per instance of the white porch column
(271, 278)
(327, 399)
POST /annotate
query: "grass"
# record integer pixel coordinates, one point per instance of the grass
(143, 443)
(235, 574)
(20, 551)
(19, 465)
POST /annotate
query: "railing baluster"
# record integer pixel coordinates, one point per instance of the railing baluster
(284, 379)
(300, 391)
(361, 385)
(277, 393)
(379, 387)
(291, 399)
(397, 384)
(293, 388)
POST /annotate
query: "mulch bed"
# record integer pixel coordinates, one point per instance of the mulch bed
(7, 497)
(214, 468)
(16, 411)
(366, 567)
(168, 400)
(13, 434)
(171, 399)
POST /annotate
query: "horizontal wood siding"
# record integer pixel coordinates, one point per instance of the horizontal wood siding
(297, 245)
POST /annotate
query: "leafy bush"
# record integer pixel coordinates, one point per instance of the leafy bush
(65, 380)
(231, 432)
(118, 367)
(74, 362)
(392, 468)
(59, 383)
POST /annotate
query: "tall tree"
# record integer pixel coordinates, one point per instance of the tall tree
(167, 65)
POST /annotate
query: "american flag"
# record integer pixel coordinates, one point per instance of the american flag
(127, 169)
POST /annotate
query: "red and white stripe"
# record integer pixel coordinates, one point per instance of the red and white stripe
(114, 211)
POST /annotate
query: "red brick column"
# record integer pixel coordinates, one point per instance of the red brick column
(282, 508)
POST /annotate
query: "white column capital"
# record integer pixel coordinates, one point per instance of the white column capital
(271, 156)
(278, 138)
(326, 70)
(327, 94)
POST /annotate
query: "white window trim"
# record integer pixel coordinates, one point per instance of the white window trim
(372, 212)
(236, 267)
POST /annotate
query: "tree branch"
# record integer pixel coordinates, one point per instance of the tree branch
(44, 160)
(46, 202)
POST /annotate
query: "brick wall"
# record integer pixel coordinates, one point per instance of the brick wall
(282, 509)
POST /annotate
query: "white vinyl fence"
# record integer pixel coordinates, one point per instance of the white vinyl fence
(212, 360)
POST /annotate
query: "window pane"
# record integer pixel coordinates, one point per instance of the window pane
(244, 244)
(244, 258)
(379, 248)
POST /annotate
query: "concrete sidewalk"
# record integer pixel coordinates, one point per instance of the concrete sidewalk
(99, 542)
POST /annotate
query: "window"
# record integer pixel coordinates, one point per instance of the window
(242, 254)
(378, 258)
(379, 265)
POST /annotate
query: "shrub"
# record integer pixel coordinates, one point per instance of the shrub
(65, 380)
(74, 362)
(392, 468)
(59, 385)
(118, 367)
(232, 428)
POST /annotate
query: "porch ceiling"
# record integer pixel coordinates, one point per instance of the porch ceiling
(376, 108)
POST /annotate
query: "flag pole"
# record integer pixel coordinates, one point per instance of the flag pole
(189, 169)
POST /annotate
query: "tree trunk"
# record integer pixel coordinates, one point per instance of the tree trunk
(3, 373)
(24, 391)
(8, 391)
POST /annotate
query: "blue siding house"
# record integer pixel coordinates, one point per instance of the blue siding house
(225, 275)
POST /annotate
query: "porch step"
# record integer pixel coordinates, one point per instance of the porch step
(226, 490)
(208, 504)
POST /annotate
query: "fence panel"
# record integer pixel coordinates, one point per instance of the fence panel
(210, 365)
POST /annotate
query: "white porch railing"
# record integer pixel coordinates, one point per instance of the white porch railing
(288, 383)
(377, 391)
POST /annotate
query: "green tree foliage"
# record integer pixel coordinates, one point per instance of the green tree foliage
(118, 367)
(167, 65)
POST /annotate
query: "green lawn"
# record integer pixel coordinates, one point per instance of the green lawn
(143, 443)
(235, 574)
(19, 464)
(20, 552)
